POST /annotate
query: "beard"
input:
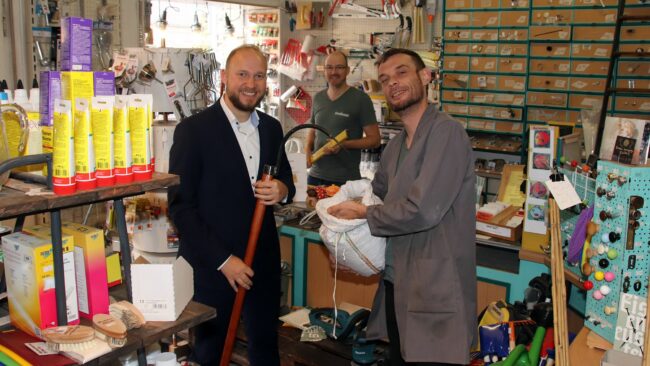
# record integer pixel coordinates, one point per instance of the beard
(416, 97)
(237, 103)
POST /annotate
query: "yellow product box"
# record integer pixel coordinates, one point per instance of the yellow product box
(77, 84)
(67, 241)
(90, 266)
(113, 270)
(29, 272)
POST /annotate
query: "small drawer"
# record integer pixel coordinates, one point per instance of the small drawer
(640, 67)
(585, 101)
(483, 64)
(594, 16)
(579, 84)
(456, 81)
(457, 34)
(485, 19)
(635, 33)
(457, 19)
(514, 19)
(511, 83)
(456, 63)
(458, 48)
(584, 33)
(454, 96)
(546, 115)
(550, 66)
(549, 50)
(633, 83)
(455, 108)
(485, 4)
(551, 17)
(485, 35)
(512, 65)
(598, 2)
(513, 49)
(551, 3)
(488, 49)
(515, 4)
(513, 114)
(497, 98)
(554, 83)
(631, 104)
(589, 67)
(513, 35)
(591, 50)
(482, 82)
(458, 4)
(549, 33)
(546, 99)
(634, 47)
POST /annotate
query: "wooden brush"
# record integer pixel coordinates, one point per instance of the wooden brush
(110, 329)
(127, 313)
(69, 338)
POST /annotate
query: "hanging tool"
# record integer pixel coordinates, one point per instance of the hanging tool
(251, 246)
(397, 41)
(405, 42)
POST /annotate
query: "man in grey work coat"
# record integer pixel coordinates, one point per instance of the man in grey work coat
(426, 305)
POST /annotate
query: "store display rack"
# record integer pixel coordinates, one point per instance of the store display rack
(16, 204)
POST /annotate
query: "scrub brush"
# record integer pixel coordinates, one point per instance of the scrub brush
(110, 329)
(69, 338)
(128, 313)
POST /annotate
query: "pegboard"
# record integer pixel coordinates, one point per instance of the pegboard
(585, 186)
(618, 247)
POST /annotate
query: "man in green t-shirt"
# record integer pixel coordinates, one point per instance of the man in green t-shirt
(337, 108)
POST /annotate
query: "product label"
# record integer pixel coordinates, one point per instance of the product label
(82, 286)
(83, 145)
(102, 123)
(63, 155)
(122, 139)
(139, 137)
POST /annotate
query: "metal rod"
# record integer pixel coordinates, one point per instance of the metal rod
(125, 250)
(59, 278)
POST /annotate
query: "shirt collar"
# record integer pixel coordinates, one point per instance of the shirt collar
(254, 117)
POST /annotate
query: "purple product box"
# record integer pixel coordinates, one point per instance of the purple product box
(76, 44)
(50, 85)
(104, 83)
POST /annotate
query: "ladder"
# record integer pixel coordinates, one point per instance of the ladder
(611, 89)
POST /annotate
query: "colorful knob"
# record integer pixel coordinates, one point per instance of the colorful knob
(600, 191)
(611, 177)
(574, 163)
(599, 276)
(603, 263)
(587, 269)
(614, 236)
(562, 159)
(604, 215)
(609, 276)
(597, 295)
(588, 285)
(605, 290)
(609, 310)
(611, 194)
(612, 253)
(601, 249)
(622, 180)
(604, 238)
(585, 168)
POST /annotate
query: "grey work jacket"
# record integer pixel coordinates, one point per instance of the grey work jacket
(429, 215)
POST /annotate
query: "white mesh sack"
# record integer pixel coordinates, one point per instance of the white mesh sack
(350, 241)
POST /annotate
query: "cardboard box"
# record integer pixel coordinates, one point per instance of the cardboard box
(67, 241)
(90, 265)
(50, 89)
(29, 275)
(161, 291)
(496, 227)
(76, 44)
(77, 84)
(113, 269)
(104, 83)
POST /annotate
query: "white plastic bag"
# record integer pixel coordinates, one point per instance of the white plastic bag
(350, 241)
(298, 161)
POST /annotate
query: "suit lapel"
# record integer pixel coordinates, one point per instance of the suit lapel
(264, 146)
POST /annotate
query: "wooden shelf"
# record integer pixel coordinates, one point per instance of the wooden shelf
(15, 203)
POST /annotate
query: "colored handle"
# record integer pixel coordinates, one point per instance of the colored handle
(253, 236)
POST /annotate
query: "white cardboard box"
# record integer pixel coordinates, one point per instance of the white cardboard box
(161, 291)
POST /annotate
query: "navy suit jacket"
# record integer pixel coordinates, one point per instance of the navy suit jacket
(212, 207)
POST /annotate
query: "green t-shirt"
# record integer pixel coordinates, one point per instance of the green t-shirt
(351, 111)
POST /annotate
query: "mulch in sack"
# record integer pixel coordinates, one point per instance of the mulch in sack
(350, 241)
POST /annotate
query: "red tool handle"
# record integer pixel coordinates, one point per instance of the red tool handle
(253, 236)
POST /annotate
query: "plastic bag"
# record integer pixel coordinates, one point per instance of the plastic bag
(350, 241)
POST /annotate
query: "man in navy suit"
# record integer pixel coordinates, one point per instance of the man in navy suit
(219, 155)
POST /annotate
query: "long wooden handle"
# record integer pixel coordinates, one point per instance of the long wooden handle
(253, 236)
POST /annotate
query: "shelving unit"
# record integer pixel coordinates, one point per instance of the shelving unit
(16, 204)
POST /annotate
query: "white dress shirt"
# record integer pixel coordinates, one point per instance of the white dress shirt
(248, 138)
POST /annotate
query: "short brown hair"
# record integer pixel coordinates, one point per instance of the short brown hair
(245, 47)
(419, 64)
